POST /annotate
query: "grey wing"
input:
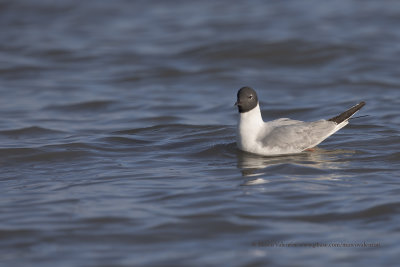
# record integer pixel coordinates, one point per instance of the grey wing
(298, 135)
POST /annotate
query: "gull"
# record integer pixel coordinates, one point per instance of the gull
(281, 136)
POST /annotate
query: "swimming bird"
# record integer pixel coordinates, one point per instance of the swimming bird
(281, 136)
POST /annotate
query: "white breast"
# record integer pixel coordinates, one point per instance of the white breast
(250, 126)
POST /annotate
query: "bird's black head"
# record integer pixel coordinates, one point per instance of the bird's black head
(246, 99)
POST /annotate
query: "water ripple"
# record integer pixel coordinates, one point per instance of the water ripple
(117, 134)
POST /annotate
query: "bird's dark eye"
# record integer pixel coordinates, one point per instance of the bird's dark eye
(250, 96)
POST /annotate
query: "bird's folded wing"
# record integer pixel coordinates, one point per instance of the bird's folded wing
(296, 135)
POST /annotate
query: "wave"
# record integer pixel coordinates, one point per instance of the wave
(287, 52)
(91, 106)
(370, 214)
(30, 131)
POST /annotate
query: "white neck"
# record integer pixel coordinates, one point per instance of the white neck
(249, 125)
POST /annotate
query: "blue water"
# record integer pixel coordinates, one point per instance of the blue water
(117, 133)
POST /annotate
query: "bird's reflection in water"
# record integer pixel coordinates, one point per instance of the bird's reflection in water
(257, 168)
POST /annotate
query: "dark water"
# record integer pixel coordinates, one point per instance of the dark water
(117, 133)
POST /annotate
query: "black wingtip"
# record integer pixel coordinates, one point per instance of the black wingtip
(348, 113)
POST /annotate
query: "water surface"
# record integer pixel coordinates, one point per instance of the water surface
(117, 133)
